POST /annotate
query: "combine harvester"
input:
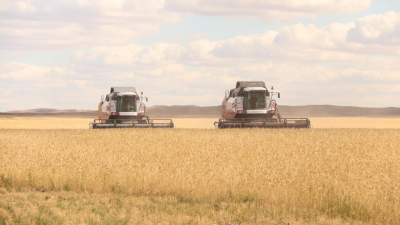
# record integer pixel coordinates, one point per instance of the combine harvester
(250, 104)
(124, 108)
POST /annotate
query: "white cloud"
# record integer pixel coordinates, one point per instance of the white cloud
(23, 71)
(308, 64)
(185, 83)
(377, 29)
(295, 42)
(309, 43)
(41, 24)
(30, 86)
(148, 56)
(65, 24)
(270, 9)
(287, 47)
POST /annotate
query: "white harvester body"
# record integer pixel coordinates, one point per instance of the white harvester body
(235, 104)
(251, 104)
(124, 108)
(125, 103)
(249, 100)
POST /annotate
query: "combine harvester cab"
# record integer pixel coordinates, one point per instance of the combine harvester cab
(124, 108)
(251, 105)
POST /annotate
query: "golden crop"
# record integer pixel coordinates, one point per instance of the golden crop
(83, 123)
(333, 173)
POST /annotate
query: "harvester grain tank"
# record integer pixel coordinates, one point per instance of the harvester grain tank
(251, 104)
(125, 108)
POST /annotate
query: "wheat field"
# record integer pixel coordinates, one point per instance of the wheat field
(195, 123)
(200, 176)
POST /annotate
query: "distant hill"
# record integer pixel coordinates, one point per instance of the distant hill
(286, 111)
(190, 111)
(184, 111)
(337, 111)
(46, 110)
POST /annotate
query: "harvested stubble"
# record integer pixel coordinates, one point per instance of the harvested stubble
(335, 173)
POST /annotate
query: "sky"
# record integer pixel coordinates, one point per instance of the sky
(65, 54)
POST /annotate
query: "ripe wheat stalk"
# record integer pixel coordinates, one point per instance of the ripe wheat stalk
(343, 173)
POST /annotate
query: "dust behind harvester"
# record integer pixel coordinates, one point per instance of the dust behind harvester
(251, 104)
(124, 108)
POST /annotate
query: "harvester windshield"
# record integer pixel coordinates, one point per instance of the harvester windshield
(256, 100)
(126, 103)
